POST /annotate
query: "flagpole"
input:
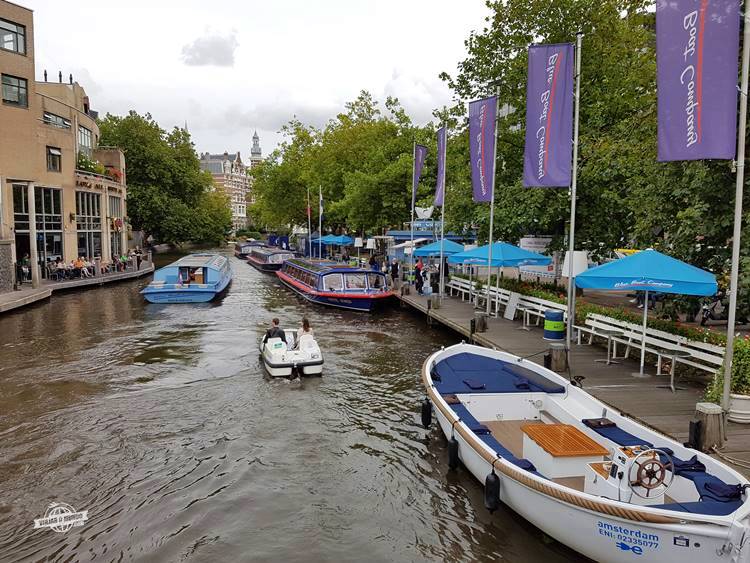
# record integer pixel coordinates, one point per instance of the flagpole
(728, 355)
(309, 223)
(320, 222)
(413, 197)
(442, 214)
(573, 186)
(492, 201)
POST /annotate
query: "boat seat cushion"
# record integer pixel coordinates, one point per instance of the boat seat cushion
(472, 373)
(711, 508)
(468, 419)
(616, 434)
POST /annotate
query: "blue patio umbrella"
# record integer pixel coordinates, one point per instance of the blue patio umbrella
(335, 240)
(504, 255)
(649, 271)
(433, 249)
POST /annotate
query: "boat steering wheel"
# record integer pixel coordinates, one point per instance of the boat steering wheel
(650, 472)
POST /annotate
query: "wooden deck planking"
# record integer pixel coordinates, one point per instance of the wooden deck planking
(509, 433)
(640, 398)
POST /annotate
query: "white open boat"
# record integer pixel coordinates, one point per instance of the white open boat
(598, 482)
(284, 358)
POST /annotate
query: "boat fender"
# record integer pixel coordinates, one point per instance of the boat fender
(453, 450)
(453, 453)
(426, 413)
(492, 491)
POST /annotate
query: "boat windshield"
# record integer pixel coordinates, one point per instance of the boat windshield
(355, 281)
(332, 282)
(376, 281)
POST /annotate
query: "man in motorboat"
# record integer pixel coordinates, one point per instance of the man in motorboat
(274, 332)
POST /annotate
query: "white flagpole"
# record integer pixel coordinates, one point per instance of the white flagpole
(320, 222)
(413, 198)
(442, 215)
(492, 202)
(729, 354)
(309, 223)
(573, 186)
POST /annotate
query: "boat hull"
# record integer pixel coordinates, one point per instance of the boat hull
(186, 294)
(598, 529)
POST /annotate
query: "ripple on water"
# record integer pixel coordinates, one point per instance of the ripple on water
(158, 420)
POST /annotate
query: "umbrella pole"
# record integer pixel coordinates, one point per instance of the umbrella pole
(497, 294)
(643, 339)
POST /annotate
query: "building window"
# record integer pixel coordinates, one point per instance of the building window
(115, 236)
(12, 37)
(48, 208)
(54, 159)
(56, 120)
(89, 224)
(85, 144)
(15, 91)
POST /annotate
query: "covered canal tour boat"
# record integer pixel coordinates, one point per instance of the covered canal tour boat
(243, 249)
(335, 285)
(195, 278)
(268, 259)
(595, 480)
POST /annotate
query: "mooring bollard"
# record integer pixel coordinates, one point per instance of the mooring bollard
(480, 318)
(711, 427)
(558, 357)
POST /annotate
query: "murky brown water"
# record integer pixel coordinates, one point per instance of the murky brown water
(158, 420)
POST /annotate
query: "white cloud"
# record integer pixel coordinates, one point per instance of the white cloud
(211, 50)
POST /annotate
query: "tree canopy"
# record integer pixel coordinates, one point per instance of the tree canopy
(169, 196)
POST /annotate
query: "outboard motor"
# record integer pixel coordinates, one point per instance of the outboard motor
(492, 491)
(426, 413)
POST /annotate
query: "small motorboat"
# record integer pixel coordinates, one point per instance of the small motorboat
(295, 355)
(195, 278)
(588, 476)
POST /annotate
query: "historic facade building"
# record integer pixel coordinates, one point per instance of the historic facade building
(230, 175)
(51, 167)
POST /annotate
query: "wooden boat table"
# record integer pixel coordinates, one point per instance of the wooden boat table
(560, 450)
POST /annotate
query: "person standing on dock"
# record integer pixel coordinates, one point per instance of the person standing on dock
(419, 280)
(394, 273)
(138, 257)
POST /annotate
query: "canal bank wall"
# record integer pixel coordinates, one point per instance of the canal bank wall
(14, 300)
(641, 398)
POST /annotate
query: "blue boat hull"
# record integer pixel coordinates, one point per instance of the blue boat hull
(186, 294)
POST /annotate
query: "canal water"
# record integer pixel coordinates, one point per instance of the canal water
(158, 420)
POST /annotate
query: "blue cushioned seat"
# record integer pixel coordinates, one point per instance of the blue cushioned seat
(618, 435)
(712, 508)
(472, 373)
(468, 419)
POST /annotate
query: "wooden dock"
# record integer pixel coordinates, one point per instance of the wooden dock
(13, 300)
(641, 398)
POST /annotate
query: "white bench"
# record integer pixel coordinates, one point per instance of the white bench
(702, 355)
(460, 286)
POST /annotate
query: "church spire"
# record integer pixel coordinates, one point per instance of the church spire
(255, 150)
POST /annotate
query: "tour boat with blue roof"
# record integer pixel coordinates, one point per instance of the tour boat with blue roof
(335, 285)
(584, 473)
(268, 259)
(195, 278)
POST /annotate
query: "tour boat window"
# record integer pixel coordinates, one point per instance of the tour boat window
(355, 281)
(332, 282)
(375, 281)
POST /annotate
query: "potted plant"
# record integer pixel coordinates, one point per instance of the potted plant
(739, 398)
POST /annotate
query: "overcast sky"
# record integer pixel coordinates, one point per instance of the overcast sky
(229, 68)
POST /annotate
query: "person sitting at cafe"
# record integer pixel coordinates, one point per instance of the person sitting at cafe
(85, 267)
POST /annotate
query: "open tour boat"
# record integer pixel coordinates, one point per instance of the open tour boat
(601, 483)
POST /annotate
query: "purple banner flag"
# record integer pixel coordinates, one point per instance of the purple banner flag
(482, 123)
(420, 154)
(697, 46)
(548, 155)
(440, 189)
